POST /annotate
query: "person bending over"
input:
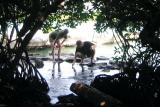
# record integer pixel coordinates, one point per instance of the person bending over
(56, 40)
(84, 49)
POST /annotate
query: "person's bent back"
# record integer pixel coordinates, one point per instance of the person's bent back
(84, 49)
(57, 39)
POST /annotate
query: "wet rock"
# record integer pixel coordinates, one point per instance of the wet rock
(34, 54)
(71, 100)
(116, 65)
(106, 66)
(38, 63)
(102, 58)
(71, 59)
(97, 64)
(46, 58)
(60, 60)
(68, 98)
(102, 65)
(91, 64)
(88, 64)
(64, 105)
(40, 58)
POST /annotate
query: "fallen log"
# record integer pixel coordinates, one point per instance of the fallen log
(94, 96)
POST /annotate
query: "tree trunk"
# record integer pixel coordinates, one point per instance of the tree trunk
(94, 96)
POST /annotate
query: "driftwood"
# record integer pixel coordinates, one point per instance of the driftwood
(94, 96)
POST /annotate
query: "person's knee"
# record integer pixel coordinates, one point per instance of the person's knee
(78, 54)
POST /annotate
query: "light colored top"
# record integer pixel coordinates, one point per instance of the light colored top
(58, 35)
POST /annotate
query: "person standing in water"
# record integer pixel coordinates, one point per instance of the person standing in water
(56, 39)
(84, 49)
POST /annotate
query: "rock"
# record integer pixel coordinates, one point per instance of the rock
(71, 59)
(60, 60)
(33, 54)
(94, 96)
(46, 58)
(38, 63)
(102, 58)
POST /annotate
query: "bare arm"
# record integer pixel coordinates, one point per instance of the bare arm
(63, 41)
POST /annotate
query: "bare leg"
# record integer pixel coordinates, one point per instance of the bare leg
(59, 49)
(91, 60)
(53, 53)
(53, 56)
(81, 60)
(59, 52)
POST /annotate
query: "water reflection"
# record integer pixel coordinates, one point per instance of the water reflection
(76, 70)
(58, 70)
(84, 74)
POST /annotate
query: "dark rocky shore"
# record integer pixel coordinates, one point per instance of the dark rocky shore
(119, 90)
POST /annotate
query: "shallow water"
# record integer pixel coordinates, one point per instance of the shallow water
(63, 75)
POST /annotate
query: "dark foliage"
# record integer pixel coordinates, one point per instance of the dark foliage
(21, 85)
(142, 91)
